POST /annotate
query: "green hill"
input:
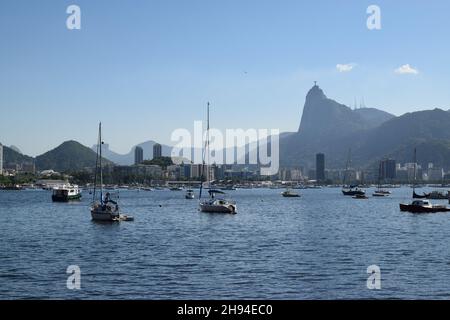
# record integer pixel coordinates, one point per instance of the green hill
(68, 157)
(12, 157)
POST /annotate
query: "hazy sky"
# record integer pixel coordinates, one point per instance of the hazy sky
(145, 68)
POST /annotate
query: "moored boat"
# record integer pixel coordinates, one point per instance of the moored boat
(213, 205)
(65, 193)
(423, 206)
(104, 208)
(189, 194)
(290, 194)
(351, 190)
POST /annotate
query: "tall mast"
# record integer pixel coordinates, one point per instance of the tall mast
(204, 153)
(207, 150)
(346, 166)
(100, 160)
(415, 161)
(379, 175)
(96, 169)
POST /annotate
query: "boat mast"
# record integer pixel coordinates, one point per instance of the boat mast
(204, 153)
(96, 167)
(208, 173)
(100, 160)
(379, 176)
(346, 167)
(415, 161)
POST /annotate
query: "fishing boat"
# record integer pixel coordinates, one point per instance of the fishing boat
(351, 190)
(213, 204)
(415, 195)
(290, 194)
(189, 194)
(380, 192)
(423, 206)
(104, 208)
(66, 193)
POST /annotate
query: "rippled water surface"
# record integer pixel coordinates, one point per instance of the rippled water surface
(314, 247)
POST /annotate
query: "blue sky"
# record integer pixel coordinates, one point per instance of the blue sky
(145, 68)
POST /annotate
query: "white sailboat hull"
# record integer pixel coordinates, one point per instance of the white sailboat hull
(217, 207)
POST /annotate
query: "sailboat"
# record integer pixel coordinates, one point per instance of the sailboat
(380, 192)
(104, 208)
(351, 190)
(415, 195)
(213, 204)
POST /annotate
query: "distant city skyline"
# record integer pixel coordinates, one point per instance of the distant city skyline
(148, 68)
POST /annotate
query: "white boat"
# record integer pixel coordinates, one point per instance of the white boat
(189, 194)
(218, 206)
(65, 193)
(290, 194)
(213, 204)
(104, 208)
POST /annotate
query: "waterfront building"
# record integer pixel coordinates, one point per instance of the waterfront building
(320, 167)
(157, 151)
(138, 155)
(388, 169)
(435, 174)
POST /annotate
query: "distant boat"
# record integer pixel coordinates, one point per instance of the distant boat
(176, 189)
(422, 206)
(351, 190)
(360, 196)
(290, 194)
(104, 208)
(189, 194)
(213, 205)
(380, 192)
(66, 193)
(15, 187)
(229, 188)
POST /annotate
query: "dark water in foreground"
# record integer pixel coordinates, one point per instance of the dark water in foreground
(315, 247)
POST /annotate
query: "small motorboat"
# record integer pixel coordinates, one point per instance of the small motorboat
(218, 206)
(290, 194)
(353, 191)
(189, 194)
(360, 196)
(381, 193)
(423, 206)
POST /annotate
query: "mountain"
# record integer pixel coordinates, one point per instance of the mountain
(11, 158)
(323, 117)
(374, 117)
(332, 128)
(128, 159)
(69, 156)
(427, 130)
